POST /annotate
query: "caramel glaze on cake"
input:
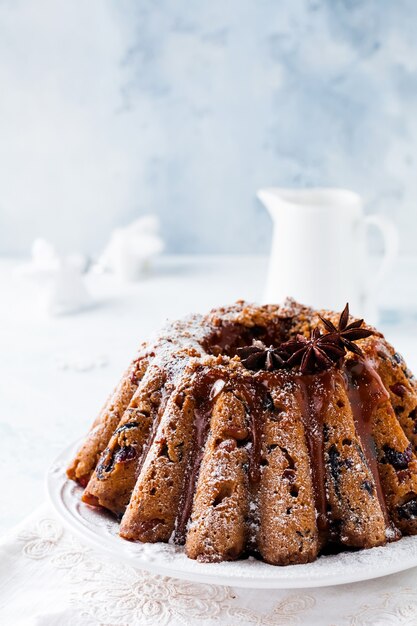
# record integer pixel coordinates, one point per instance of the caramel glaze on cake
(198, 446)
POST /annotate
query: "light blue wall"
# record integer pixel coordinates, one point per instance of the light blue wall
(112, 109)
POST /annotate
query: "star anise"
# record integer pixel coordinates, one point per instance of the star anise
(315, 354)
(258, 356)
(347, 333)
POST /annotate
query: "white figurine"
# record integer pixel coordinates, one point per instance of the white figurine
(59, 280)
(130, 249)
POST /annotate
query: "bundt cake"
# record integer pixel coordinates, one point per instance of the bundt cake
(275, 431)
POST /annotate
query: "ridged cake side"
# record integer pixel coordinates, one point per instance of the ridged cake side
(106, 422)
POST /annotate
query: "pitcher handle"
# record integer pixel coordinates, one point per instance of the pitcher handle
(389, 234)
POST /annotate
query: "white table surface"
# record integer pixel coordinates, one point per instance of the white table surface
(56, 372)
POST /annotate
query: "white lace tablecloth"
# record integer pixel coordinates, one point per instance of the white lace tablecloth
(49, 578)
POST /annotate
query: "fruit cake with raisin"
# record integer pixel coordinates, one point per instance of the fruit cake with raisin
(276, 431)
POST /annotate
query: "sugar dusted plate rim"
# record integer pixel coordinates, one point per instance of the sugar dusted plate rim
(99, 530)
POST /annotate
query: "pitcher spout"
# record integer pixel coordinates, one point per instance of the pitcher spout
(271, 200)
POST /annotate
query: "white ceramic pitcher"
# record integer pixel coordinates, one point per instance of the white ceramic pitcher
(319, 254)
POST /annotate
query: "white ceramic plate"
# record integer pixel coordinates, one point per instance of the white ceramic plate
(101, 531)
